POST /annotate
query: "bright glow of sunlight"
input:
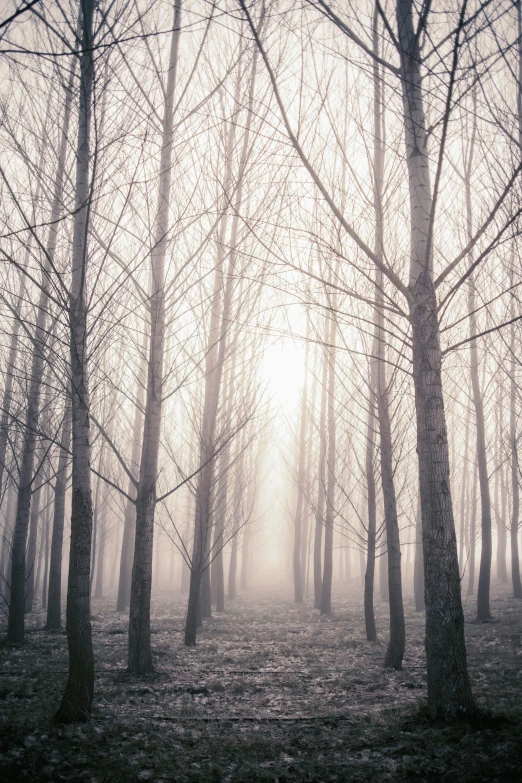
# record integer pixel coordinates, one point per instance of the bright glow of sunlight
(283, 371)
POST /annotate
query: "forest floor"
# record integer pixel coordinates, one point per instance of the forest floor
(272, 692)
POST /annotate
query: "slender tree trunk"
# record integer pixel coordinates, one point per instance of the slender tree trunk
(140, 653)
(77, 699)
(321, 492)
(129, 520)
(326, 593)
(96, 514)
(245, 560)
(369, 576)
(7, 537)
(301, 478)
(463, 495)
(483, 608)
(418, 568)
(199, 593)
(32, 544)
(515, 468)
(54, 619)
(395, 651)
(232, 568)
(10, 374)
(41, 550)
(237, 511)
(504, 517)
(45, 579)
(383, 563)
(515, 489)
(449, 691)
(219, 530)
(500, 489)
(472, 534)
(15, 630)
(102, 535)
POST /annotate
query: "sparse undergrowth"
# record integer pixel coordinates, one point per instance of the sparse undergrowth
(272, 692)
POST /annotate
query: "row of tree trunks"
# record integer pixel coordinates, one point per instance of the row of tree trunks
(15, 632)
(199, 604)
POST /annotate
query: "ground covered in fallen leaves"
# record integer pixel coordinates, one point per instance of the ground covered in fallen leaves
(272, 692)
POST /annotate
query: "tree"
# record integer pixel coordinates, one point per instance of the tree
(140, 654)
(77, 699)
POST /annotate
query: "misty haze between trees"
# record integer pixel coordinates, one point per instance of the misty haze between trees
(260, 347)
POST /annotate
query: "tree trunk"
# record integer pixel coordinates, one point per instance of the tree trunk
(15, 632)
(215, 357)
(326, 592)
(418, 568)
(472, 534)
(463, 495)
(500, 494)
(515, 468)
(140, 654)
(77, 699)
(102, 534)
(369, 576)
(321, 493)
(301, 477)
(7, 537)
(483, 609)
(449, 691)
(54, 619)
(10, 373)
(30, 579)
(395, 651)
(41, 566)
(127, 543)
(237, 511)
(45, 578)
(245, 560)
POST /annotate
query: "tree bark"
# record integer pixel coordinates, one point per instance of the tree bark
(449, 690)
(102, 533)
(472, 534)
(321, 490)
(10, 373)
(140, 653)
(369, 576)
(45, 576)
(395, 651)
(77, 699)
(301, 477)
(326, 592)
(483, 608)
(500, 494)
(54, 618)
(515, 489)
(418, 568)
(34, 517)
(515, 467)
(127, 543)
(199, 592)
